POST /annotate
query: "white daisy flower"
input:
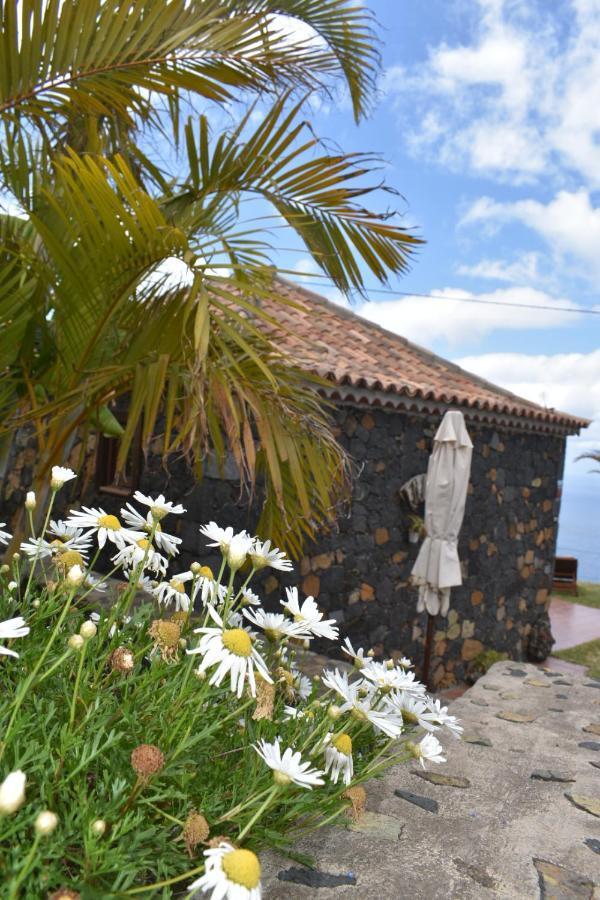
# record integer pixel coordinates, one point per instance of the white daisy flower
(230, 874)
(358, 656)
(289, 767)
(358, 703)
(276, 626)
(249, 598)
(60, 475)
(309, 614)
(302, 684)
(174, 590)
(169, 543)
(76, 538)
(437, 716)
(411, 708)
(292, 712)
(338, 757)
(130, 557)
(5, 536)
(42, 548)
(232, 651)
(11, 629)
(107, 526)
(404, 663)
(209, 591)
(262, 555)
(391, 679)
(160, 507)
(234, 547)
(428, 750)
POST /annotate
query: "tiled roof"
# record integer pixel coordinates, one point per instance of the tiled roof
(368, 364)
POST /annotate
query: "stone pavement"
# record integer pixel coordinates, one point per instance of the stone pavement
(517, 814)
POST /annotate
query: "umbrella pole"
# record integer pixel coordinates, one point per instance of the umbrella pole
(427, 653)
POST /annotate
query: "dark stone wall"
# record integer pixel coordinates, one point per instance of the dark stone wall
(359, 572)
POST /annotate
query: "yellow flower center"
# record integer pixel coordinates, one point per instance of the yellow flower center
(237, 641)
(207, 572)
(242, 867)
(143, 544)
(177, 585)
(409, 717)
(70, 558)
(58, 542)
(343, 743)
(281, 778)
(158, 513)
(110, 522)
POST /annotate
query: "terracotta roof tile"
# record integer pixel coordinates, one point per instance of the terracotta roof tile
(353, 353)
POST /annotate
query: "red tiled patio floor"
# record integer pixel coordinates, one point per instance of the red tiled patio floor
(572, 623)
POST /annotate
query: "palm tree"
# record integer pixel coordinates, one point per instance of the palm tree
(594, 455)
(86, 311)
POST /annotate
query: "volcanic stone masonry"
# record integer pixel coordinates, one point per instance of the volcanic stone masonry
(359, 571)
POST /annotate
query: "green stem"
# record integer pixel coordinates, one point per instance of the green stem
(37, 552)
(76, 687)
(163, 813)
(161, 884)
(259, 812)
(14, 887)
(55, 665)
(29, 681)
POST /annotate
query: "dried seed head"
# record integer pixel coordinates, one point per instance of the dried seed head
(180, 618)
(219, 839)
(166, 638)
(195, 831)
(64, 893)
(147, 760)
(358, 798)
(265, 699)
(121, 660)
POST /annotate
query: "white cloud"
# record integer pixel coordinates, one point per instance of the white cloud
(426, 320)
(524, 270)
(566, 381)
(570, 223)
(518, 99)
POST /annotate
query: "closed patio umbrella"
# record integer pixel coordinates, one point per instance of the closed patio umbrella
(437, 567)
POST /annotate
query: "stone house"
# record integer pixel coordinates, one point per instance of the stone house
(389, 396)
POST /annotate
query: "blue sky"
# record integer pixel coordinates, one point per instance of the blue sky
(489, 123)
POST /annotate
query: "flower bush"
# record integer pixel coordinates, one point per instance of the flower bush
(156, 737)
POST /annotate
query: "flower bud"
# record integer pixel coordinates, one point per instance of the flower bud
(334, 712)
(4, 570)
(12, 792)
(46, 822)
(30, 501)
(36, 603)
(64, 893)
(88, 630)
(60, 474)
(75, 575)
(98, 827)
(12, 585)
(16, 557)
(76, 642)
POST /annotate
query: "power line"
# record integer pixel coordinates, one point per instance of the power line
(464, 299)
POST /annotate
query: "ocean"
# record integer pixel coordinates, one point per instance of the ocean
(579, 524)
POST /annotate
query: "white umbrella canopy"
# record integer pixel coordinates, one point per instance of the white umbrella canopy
(437, 567)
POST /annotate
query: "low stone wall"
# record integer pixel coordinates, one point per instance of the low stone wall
(359, 572)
